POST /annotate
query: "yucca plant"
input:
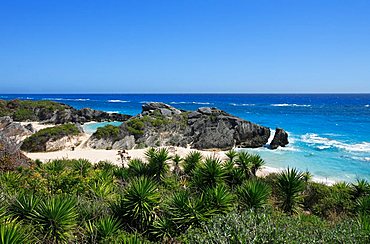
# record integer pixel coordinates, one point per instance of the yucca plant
(363, 210)
(107, 227)
(13, 233)
(219, 199)
(138, 203)
(290, 184)
(82, 166)
(256, 163)
(234, 176)
(360, 188)
(56, 218)
(23, 205)
(137, 168)
(163, 229)
(209, 174)
(55, 166)
(157, 159)
(102, 190)
(187, 211)
(4, 213)
(363, 205)
(253, 194)
(191, 161)
(106, 166)
(243, 161)
(231, 155)
(176, 164)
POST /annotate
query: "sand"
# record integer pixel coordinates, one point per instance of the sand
(95, 156)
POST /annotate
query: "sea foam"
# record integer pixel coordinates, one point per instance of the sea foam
(67, 99)
(242, 104)
(117, 101)
(200, 103)
(323, 143)
(290, 105)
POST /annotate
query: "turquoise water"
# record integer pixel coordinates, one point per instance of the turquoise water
(90, 128)
(329, 133)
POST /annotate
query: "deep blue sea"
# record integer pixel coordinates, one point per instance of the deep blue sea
(329, 134)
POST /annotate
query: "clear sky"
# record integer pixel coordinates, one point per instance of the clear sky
(86, 46)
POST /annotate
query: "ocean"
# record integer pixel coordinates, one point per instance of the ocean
(329, 134)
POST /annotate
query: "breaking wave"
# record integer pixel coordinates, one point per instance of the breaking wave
(117, 101)
(290, 105)
(200, 103)
(67, 99)
(242, 104)
(323, 143)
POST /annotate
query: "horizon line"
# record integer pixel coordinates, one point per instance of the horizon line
(194, 93)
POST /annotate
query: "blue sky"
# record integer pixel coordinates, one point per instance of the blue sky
(73, 46)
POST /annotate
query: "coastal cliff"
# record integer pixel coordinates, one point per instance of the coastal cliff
(54, 113)
(160, 124)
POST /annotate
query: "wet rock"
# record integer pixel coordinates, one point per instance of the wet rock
(280, 139)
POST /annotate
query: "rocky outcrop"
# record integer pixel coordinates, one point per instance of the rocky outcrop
(55, 113)
(280, 139)
(10, 155)
(64, 143)
(160, 124)
(66, 136)
(14, 131)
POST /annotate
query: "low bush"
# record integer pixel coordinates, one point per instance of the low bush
(37, 142)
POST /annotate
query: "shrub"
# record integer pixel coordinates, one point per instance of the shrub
(253, 194)
(135, 126)
(107, 132)
(138, 202)
(37, 142)
(252, 227)
(56, 218)
(290, 184)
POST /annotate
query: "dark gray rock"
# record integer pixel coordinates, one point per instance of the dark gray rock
(162, 108)
(30, 127)
(280, 139)
(207, 128)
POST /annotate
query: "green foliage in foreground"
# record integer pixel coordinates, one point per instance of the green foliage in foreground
(37, 142)
(198, 201)
(265, 227)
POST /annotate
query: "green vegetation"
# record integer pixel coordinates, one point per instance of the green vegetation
(137, 125)
(37, 142)
(108, 131)
(199, 201)
(23, 110)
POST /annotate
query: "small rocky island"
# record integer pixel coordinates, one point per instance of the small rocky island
(158, 124)
(207, 128)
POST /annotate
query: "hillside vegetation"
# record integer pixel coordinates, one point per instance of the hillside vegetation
(168, 199)
(23, 110)
(37, 141)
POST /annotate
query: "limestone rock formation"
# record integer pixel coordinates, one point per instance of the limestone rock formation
(160, 124)
(14, 131)
(280, 139)
(10, 155)
(54, 113)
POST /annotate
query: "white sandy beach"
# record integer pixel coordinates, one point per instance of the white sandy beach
(95, 156)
